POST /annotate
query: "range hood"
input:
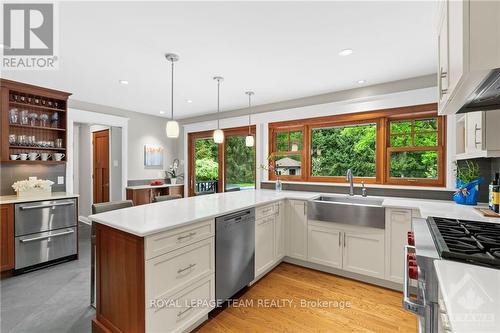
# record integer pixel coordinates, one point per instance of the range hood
(486, 96)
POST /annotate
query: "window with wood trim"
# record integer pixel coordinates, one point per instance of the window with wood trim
(404, 146)
(415, 150)
(288, 151)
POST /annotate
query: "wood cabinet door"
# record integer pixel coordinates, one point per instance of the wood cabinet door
(364, 252)
(398, 223)
(324, 246)
(6, 237)
(297, 229)
(176, 190)
(264, 244)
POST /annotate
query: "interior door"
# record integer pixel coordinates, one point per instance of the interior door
(100, 143)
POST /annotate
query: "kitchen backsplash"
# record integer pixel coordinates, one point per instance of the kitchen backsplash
(12, 173)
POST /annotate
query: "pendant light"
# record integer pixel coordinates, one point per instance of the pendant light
(218, 133)
(172, 127)
(249, 140)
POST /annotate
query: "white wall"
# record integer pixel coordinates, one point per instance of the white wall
(84, 167)
(261, 120)
(142, 129)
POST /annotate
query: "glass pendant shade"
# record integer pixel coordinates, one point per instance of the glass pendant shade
(172, 129)
(249, 140)
(218, 136)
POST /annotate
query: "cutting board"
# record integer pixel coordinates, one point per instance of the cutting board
(487, 212)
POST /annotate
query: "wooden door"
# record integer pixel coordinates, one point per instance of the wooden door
(100, 142)
(6, 237)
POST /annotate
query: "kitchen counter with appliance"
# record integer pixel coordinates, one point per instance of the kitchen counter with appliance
(471, 297)
(146, 220)
(14, 199)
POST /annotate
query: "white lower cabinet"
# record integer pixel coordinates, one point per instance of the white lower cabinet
(182, 310)
(297, 229)
(324, 245)
(397, 225)
(351, 248)
(264, 244)
(279, 232)
(364, 251)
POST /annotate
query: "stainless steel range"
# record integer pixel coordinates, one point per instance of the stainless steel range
(439, 238)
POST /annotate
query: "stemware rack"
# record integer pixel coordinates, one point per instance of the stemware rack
(44, 137)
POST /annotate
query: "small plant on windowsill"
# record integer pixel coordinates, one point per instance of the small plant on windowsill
(272, 166)
(468, 180)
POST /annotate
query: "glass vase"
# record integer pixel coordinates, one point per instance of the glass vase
(278, 185)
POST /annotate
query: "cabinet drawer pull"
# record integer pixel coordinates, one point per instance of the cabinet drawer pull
(444, 91)
(444, 74)
(191, 234)
(344, 239)
(185, 268)
(340, 239)
(184, 311)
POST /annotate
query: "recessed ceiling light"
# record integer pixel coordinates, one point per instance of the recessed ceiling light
(162, 112)
(189, 101)
(361, 81)
(345, 52)
(125, 82)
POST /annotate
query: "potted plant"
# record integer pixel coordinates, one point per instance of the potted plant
(273, 167)
(172, 171)
(467, 184)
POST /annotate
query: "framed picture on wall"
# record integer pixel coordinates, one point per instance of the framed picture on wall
(153, 156)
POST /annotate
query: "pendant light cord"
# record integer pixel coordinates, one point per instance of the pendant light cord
(218, 105)
(249, 112)
(172, 105)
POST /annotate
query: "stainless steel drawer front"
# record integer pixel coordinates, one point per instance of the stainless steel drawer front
(40, 216)
(41, 247)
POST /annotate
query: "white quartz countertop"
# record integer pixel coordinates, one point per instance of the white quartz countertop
(13, 199)
(146, 186)
(471, 295)
(152, 218)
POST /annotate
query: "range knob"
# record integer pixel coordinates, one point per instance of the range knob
(411, 256)
(413, 272)
(411, 238)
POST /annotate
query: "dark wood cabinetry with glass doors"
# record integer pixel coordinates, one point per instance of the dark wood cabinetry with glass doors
(33, 123)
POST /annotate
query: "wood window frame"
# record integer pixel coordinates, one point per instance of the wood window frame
(272, 135)
(440, 148)
(381, 118)
(192, 137)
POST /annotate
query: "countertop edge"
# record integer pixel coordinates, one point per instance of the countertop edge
(54, 196)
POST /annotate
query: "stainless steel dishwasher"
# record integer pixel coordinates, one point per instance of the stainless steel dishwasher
(234, 253)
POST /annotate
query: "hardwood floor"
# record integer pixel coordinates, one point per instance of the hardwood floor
(371, 308)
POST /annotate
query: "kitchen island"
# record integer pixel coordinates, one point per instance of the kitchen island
(153, 260)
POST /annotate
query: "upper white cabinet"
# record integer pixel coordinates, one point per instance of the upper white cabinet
(297, 229)
(478, 134)
(468, 38)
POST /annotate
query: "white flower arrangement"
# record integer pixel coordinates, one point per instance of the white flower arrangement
(32, 186)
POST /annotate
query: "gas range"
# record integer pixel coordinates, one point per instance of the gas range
(472, 242)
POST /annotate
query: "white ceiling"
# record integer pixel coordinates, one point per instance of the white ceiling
(281, 50)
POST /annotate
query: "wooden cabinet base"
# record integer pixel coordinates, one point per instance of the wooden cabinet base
(6, 238)
(119, 281)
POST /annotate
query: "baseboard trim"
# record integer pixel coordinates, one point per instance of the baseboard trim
(85, 220)
(350, 275)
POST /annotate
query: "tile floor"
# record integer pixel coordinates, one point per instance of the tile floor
(53, 299)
